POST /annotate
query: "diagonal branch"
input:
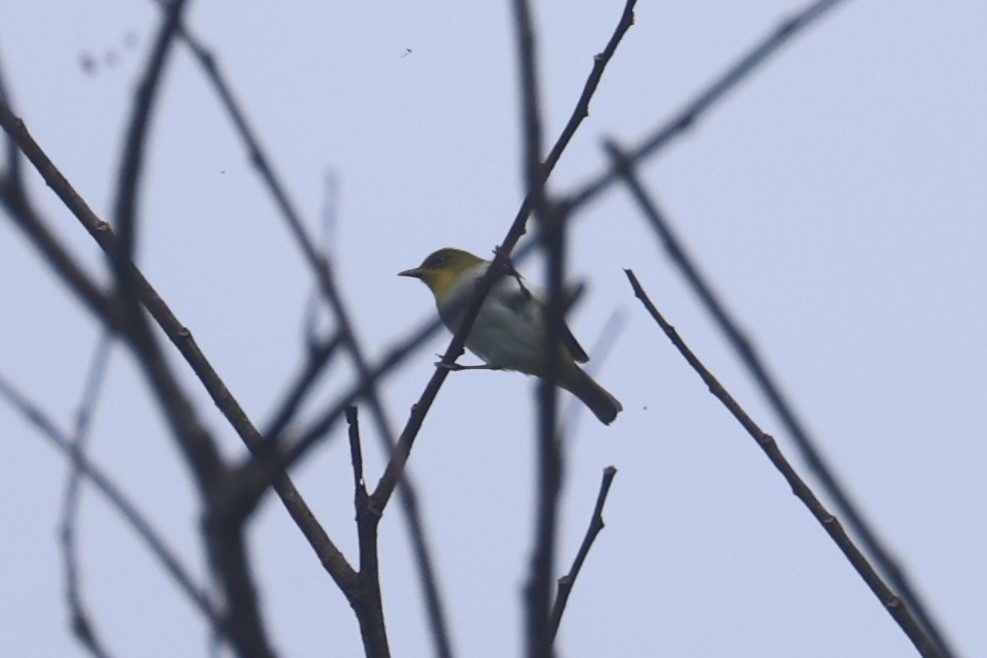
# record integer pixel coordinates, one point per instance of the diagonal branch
(925, 645)
(596, 525)
(696, 109)
(24, 216)
(806, 444)
(224, 537)
(319, 354)
(197, 445)
(154, 541)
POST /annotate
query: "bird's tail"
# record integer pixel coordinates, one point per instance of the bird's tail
(594, 396)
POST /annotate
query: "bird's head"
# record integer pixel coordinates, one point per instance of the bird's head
(442, 269)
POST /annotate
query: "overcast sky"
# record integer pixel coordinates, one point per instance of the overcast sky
(836, 200)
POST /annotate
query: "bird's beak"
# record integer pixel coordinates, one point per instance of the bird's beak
(414, 273)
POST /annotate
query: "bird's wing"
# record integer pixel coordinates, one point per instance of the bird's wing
(517, 300)
(575, 349)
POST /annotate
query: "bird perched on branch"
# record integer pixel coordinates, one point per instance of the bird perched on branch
(509, 331)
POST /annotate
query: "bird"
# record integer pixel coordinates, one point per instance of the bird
(509, 330)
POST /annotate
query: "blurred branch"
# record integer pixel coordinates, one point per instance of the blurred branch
(894, 605)
(132, 159)
(323, 274)
(195, 441)
(319, 354)
(82, 626)
(596, 524)
(14, 169)
(34, 415)
(807, 445)
(320, 350)
(103, 307)
(225, 542)
(179, 335)
(686, 118)
(551, 235)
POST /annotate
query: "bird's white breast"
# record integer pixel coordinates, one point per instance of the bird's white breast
(509, 329)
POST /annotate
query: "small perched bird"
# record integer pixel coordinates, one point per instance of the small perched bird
(509, 331)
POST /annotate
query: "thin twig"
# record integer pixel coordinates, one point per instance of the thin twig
(807, 445)
(695, 110)
(891, 602)
(596, 524)
(356, 455)
(81, 622)
(117, 499)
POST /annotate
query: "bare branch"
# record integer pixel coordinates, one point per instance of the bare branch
(356, 456)
(195, 441)
(14, 168)
(365, 596)
(197, 444)
(318, 356)
(596, 524)
(551, 236)
(779, 402)
(894, 605)
(132, 159)
(686, 118)
(72, 275)
(33, 414)
(225, 532)
(81, 622)
(223, 522)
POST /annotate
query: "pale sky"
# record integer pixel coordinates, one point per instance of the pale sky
(836, 200)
